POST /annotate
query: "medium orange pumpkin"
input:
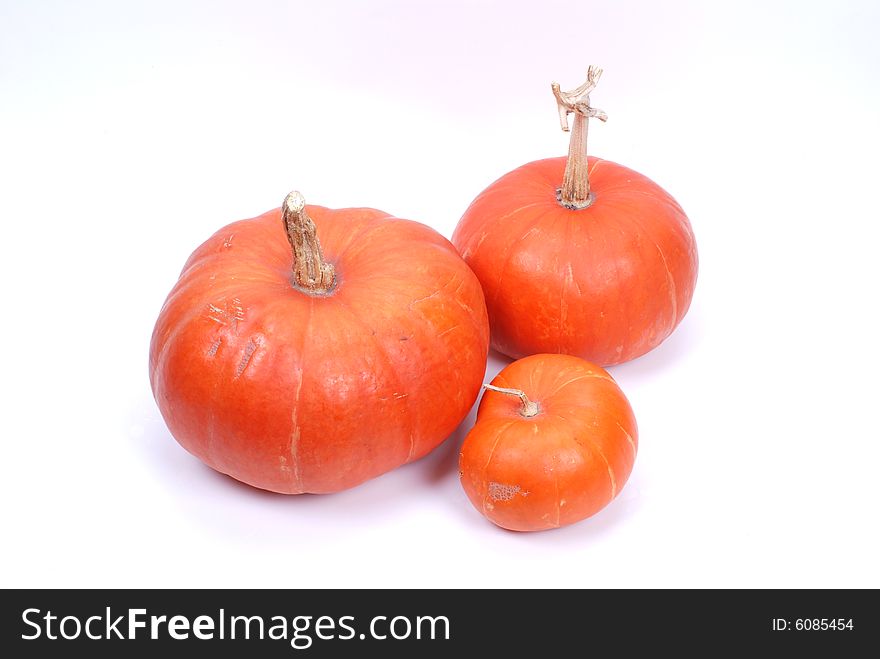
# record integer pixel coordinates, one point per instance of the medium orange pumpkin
(603, 267)
(554, 442)
(298, 365)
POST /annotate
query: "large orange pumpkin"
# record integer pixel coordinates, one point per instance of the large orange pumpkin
(303, 365)
(602, 267)
(554, 442)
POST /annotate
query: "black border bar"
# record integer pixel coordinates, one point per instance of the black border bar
(509, 622)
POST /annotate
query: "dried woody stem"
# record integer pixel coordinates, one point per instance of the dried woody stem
(575, 191)
(311, 273)
(529, 408)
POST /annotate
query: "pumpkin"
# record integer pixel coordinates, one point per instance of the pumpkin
(602, 267)
(310, 349)
(554, 442)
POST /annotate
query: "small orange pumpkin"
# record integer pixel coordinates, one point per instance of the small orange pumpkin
(554, 442)
(603, 267)
(298, 365)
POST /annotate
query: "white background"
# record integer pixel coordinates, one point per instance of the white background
(129, 132)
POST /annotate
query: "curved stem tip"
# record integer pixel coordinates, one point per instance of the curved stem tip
(529, 408)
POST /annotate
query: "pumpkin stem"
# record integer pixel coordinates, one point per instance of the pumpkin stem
(575, 191)
(311, 274)
(529, 408)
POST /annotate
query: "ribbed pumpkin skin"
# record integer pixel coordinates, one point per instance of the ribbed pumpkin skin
(296, 393)
(607, 283)
(563, 464)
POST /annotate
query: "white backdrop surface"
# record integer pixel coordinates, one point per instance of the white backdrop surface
(129, 132)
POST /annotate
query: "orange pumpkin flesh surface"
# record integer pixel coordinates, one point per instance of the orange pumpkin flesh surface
(603, 268)
(562, 464)
(296, 389)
